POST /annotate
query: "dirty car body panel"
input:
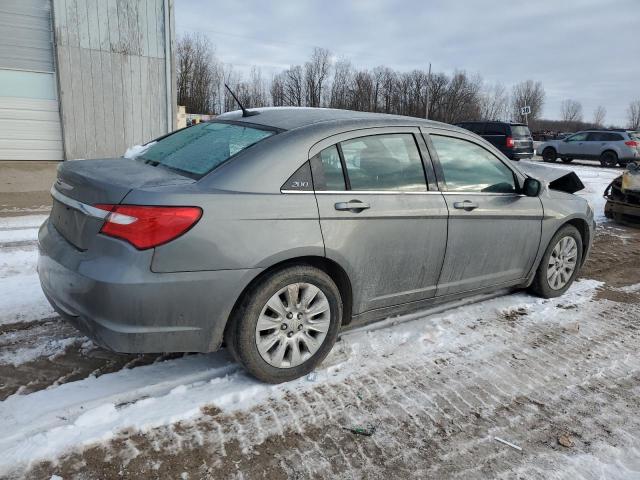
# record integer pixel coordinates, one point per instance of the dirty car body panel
(263, 207)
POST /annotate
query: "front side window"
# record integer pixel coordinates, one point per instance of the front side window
(467, 167)
(197, 150)
(578, 137)
(384, 162)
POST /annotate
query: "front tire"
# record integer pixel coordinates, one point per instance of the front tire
(286, 324)
(549, 155)
(560, 263)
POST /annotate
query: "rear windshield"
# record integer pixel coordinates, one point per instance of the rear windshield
(634, 135)
(197, 150)
(520, 131)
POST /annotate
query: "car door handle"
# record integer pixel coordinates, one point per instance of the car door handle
(355, 206)
(467, 205)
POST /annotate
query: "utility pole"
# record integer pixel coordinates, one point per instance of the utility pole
(426, 102)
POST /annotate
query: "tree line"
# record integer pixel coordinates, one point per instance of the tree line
(323, 82)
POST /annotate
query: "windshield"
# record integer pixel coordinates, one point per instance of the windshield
(520, 131)
(197, 150)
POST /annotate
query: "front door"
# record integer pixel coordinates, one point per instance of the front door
(377, 216)
(494, 231)
(575, 145)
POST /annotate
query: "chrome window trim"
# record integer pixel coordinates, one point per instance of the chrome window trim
(76, 205)
(399, 192)
(363, 192)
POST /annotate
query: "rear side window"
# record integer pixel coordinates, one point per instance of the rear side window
(495, 129)
(467, 167)
(611, 137)
(384, 162)
(473, 127)
(520, 131)
(327, 170)
(197, 150)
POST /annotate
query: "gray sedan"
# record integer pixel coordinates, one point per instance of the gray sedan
(270, 232)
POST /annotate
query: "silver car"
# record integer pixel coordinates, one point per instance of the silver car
(610, 147)
(271, 232)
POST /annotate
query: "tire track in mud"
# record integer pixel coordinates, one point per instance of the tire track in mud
(44, 353)
(433, 418)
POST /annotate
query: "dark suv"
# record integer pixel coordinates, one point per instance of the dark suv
(512, 139)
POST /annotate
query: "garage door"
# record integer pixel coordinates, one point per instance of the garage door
(29, 110)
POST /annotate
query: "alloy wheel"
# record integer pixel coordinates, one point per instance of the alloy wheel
(562, 263)
(293, 325)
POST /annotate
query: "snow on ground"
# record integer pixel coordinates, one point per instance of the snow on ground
(46, 423)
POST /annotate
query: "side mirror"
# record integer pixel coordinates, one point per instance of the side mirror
(531, 187)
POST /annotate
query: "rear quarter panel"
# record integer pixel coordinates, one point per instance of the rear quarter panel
(238, 230)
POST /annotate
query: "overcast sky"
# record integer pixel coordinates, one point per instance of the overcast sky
(587, 50)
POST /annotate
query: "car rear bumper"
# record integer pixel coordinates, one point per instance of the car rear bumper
(520, 155)
(118, 302)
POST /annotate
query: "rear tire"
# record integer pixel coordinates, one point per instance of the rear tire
(549, 155)
(299, 339)
(609, 159)
(564, 252)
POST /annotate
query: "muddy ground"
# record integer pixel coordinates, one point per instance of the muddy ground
(569, 394)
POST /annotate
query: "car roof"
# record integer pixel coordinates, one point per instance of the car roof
(513, 124)
(290, 118)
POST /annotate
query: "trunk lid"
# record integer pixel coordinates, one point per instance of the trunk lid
(85, 183)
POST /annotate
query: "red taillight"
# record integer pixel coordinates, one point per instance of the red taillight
(147, 227)
(632, 143)
(510, 142)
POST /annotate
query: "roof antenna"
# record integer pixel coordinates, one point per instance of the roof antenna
(245, 112)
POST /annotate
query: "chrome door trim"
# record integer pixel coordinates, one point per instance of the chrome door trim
(76, 205)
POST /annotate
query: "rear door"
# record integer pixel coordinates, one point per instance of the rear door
(594, 145)
(378, 217)
(494, 231)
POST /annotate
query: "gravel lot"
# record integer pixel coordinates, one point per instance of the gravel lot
(560, 379)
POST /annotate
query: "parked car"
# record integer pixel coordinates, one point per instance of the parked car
(273, 231)
(513, 139)
(611, 148)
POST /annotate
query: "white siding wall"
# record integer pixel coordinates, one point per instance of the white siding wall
(29, 116)
(111, 74)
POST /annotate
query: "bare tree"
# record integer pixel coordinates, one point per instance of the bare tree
(294, 91)
(277, 90)
(527, 93)
(316, 72)
(494, 102)
(598, 115)
(342, 85)
(571, 111)
(198, 74)
(633, 115)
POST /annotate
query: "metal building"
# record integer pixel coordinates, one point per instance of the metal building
(84, 78)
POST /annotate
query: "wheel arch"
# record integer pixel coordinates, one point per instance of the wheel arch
(583, 228)
(609, 150)
(330, 267)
